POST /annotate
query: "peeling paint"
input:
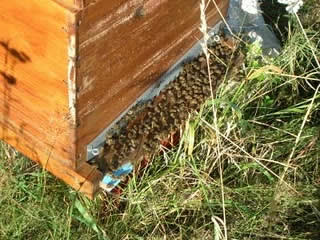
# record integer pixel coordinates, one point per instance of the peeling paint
(102, 28)
(101, 25)
(160, 54)
(72, 54)
(153, 4)
(87, 85)
(90, 107)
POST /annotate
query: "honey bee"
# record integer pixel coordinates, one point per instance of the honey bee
(172, 115)
(202, 59)
(188, 97)
(218, 71)
(110, 141)
(184, 92)
(131, 134)
(157, 109)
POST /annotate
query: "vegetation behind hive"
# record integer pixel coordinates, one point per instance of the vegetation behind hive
(179, 195)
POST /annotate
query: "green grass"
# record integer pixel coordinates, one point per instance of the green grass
(247, 167)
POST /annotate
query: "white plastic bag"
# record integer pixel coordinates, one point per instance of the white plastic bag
(244, 16)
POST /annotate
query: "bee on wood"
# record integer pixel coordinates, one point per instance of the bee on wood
(140, 12)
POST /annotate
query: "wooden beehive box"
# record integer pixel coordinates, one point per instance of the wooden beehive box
(68, 68)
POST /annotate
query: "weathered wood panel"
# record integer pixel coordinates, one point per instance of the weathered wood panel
(85, 179)
(124, 46)
(34, 42)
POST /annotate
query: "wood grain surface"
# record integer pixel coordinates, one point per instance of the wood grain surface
(76, 4)
(68, 4)
(35, 118)
(33, 78)
(124, 47)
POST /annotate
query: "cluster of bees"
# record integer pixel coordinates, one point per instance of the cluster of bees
(147, 125)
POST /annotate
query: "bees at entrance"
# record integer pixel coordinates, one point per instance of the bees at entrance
(146, 125)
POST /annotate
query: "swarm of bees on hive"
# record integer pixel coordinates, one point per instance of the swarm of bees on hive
(149, 123)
